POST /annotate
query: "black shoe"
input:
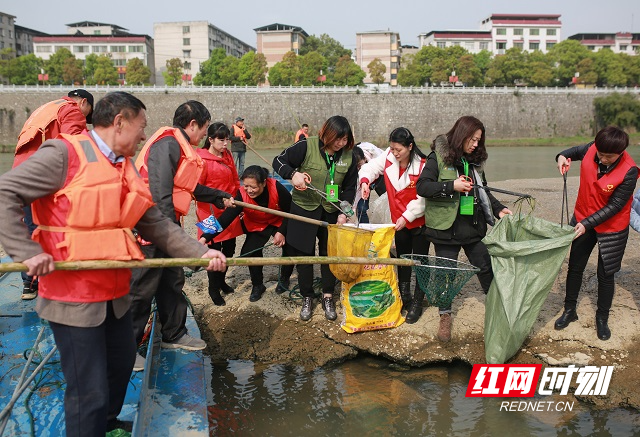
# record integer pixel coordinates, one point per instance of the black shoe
(217, 299)
(604, 333)
(329, 307)
(405, 294)
(226, 288)
(415, 310)
(256, 292)
(283, 285)
(568, 316)
(125, 425)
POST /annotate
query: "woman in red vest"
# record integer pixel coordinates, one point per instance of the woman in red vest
(258, 189)
(608, 178)
(401, 165)
(220, 173)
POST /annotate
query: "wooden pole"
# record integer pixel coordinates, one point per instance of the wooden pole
(259, 155)
(203, 262)
(283, 214)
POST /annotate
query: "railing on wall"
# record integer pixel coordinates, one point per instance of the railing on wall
(321, 89)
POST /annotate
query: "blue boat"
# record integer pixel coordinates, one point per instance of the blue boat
(167, 398)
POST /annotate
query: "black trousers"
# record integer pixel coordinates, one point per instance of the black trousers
(581, 249)
(166, 285)
(410, 241)
(478, 256)
(97, 364)
(228, 248)
(305, 271)
(253, 242)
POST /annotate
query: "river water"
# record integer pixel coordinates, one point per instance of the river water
(370, 396)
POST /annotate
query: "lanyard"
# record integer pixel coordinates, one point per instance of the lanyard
(466, 166)
(332, 166)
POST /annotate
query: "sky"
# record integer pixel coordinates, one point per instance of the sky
(339, 19)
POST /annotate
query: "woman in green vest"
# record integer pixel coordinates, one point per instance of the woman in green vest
(324, 162)
(456, 211)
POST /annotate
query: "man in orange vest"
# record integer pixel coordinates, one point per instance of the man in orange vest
(239, 136)
(68, 115)
(172, 168)
(89, 310)
(303, 132)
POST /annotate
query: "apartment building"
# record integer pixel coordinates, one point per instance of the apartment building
(384, 45)
(192, 42)
(274, 40)
(528, 32)
(87, 37)
(24, 39)
(620, 42)
(7, 31)
(473, 40)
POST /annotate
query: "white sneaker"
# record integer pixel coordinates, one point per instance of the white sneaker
(138, 366)
(186, 342)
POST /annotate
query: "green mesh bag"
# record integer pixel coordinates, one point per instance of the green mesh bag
(441, 279)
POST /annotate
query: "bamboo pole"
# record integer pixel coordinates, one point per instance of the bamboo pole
(259, 155)
(203, 262)
(282, 214)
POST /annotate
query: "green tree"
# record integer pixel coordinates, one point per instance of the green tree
(483, 62)
(8, 64)
(173, 75)
(376, 71)
(346, 73)
(468, 71)
(209, 73)
(410, 73)
(27, 69)
(229, 71)
(287, 72)
(137, 72)
(329, 48)
(72, 71)
(90, 64)
(622, 110)
(253, 69)
(311, 65)
(566, 55)
(539, 74)
(105, 73)
(55, 65)
(610, 68)
(587, 74)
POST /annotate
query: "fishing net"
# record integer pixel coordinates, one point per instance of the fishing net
(347, 241)
(440, 279)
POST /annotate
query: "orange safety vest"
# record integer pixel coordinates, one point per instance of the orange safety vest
(239, 132)
(300, 135)
(35, 128)
(90, 218)
(188, 173)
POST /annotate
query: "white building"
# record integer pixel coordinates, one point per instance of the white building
(473, 40)
(620, 42)
(192, 42)
(528, 32)
(88, 37)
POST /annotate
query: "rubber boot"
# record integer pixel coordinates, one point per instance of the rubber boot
(444, 329)
(415, 310)
(214, 289)
(405, 294)
(224, 287)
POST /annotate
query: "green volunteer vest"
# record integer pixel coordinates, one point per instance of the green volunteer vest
(441, 213)
(315, 164)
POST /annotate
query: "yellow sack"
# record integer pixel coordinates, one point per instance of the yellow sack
(351, 242)
(372, 301)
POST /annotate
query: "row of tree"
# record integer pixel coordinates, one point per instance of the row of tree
(324, 61)
(568, 62)
(64, 68)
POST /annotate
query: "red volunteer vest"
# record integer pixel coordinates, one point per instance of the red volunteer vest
(594, 193)
(256, 221)
(398, 200)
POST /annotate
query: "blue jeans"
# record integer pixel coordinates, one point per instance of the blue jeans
(238, 159)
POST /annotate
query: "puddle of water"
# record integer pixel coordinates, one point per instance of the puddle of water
(368, 397)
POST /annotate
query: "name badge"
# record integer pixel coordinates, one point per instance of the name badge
(332, 193)
(466, 205)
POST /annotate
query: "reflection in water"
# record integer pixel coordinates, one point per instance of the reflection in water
(368, 397)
